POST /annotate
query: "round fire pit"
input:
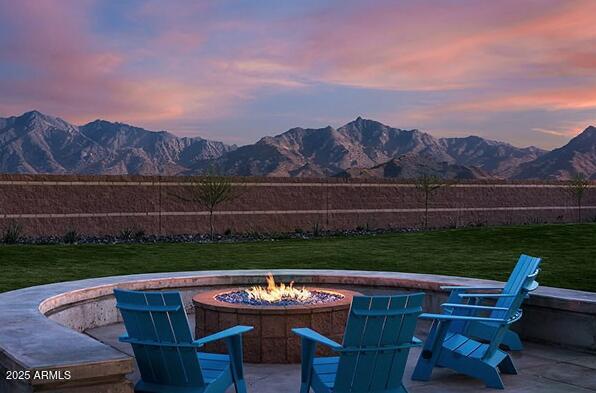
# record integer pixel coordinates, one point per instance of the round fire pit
(272, 340)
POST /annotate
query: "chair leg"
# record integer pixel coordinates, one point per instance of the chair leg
(473, 367)
(511, 340)
(507, 367)
(423, 370)
(308, 352)
(476, 369)
(234, 344)
(430, 351)
(240, 386)
(492, 378)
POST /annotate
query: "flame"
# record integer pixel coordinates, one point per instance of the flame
(274, 293)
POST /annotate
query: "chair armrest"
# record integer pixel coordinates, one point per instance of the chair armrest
(443, 317)
(480, 288)
(485, 295)
(474, 307)
(135, 341)
(233, 331)
(310, 334)
(414, 343)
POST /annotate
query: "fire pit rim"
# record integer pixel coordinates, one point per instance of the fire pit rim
(207, 300)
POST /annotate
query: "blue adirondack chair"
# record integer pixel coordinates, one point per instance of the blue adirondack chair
(166, 353)
(377, 340)
(448, 345)
(484, 330)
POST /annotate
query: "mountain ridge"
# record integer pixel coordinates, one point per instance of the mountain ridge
(365, 143)
(39, 143)
(578, 156)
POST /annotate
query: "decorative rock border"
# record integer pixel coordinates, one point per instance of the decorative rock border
(41, 327)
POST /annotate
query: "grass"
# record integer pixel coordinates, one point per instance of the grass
(568, 252)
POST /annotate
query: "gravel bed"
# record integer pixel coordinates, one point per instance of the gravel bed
(74, 238)
(241, 297)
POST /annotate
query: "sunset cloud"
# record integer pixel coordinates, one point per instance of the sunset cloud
(576, 98)
(200, 65)
(441, 45)
(567, 129)
(71, 73)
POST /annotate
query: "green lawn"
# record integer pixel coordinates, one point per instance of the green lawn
(568, 252)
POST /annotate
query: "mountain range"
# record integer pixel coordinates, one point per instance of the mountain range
(38, 143)
(577, 156)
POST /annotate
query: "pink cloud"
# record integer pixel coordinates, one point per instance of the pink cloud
(436, 46)
(72, 74)
(573, 98)
(178, 70)
(75, 74)
(566, 129)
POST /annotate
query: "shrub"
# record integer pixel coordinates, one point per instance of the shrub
(316, 229)
(427, 185)
(139, 234)
(299, 230)
(253, 234)
(12, 233)
(131, 233)
(228, 232)
(210, 191)
(577, 188)
(71, 237)
(126, 234)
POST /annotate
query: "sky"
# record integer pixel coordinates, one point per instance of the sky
(519, 71)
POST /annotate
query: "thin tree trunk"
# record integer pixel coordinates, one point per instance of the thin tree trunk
(426, 211)
(579, 210)
(211, 224)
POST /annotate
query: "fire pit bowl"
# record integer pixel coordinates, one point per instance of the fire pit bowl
(271, 341)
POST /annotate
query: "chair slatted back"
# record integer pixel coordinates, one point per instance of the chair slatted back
(526, 265)
(160, 336)
(514, 312)
(376, 342)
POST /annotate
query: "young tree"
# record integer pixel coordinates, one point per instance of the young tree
(577, 187)
(427, 185)
(209, 191)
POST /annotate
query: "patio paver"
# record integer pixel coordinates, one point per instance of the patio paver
(542, 369)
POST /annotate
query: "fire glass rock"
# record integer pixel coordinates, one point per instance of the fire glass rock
(242, 297)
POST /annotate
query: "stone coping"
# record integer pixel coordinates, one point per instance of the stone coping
(29, 340)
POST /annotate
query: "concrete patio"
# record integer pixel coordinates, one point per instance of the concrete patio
(541, 369)
(77, 326)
